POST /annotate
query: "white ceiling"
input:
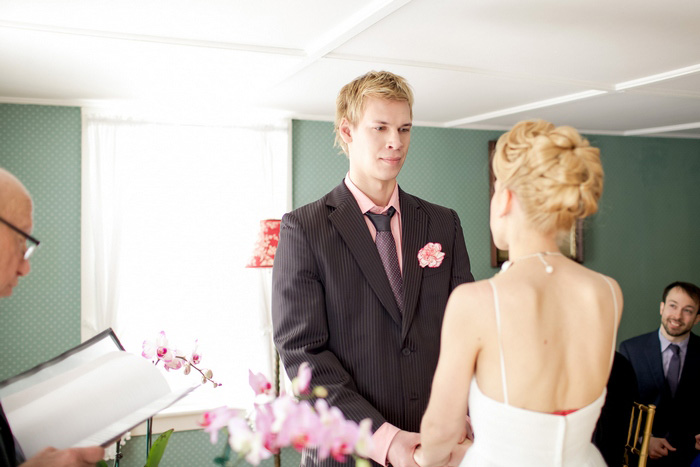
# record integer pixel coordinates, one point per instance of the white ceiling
(626, 67)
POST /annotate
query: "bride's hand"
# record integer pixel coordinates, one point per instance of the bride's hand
(419, 459)
(458, 453)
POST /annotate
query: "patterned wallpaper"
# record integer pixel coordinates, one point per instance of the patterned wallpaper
(645, 234)
(41, 146)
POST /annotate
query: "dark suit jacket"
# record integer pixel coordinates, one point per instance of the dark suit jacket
(8, 456)
(677, 418)
(610, 434)
(332, 306)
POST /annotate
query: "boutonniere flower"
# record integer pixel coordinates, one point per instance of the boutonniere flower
(431, 255)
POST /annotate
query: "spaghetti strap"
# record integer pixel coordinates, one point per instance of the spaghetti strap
(612, 289)
(496, 306)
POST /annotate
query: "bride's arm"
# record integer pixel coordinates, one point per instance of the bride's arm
(444, 421)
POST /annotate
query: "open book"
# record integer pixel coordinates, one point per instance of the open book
(89, 395)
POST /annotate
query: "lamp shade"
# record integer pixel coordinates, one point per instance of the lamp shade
(266, 244)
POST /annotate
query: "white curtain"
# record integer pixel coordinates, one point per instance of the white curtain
(169, 218)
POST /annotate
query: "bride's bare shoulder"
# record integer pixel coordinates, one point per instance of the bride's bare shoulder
(470, 296)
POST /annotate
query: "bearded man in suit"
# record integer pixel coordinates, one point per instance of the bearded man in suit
(367, 316)
(667, 365)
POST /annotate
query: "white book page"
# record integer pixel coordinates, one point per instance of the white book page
(64, 410)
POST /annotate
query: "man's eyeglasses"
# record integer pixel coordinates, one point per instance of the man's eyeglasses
(31, 243)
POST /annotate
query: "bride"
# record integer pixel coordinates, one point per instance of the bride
(529, 351)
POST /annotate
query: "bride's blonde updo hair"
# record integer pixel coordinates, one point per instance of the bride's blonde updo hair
(554, 172)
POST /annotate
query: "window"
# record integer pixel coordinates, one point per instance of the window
(169, 218)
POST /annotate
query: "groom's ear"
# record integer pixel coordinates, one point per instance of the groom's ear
(345, 131)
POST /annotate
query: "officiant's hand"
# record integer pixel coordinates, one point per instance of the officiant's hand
(697, 442)
(401, 449)
(73, 457)
(659, 447)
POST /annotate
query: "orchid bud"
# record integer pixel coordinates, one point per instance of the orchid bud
(209, 374)
(320, 391)
(187, 369)
(216, 385)
(204, 380)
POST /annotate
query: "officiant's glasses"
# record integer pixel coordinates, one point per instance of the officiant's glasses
(31, 243)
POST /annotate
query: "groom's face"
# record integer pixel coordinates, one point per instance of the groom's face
(378, 143)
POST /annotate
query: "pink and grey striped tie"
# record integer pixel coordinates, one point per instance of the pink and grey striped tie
(387, 251)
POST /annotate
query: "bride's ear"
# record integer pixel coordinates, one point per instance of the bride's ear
(505, 202)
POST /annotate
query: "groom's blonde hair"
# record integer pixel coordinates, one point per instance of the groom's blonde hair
(351, 99)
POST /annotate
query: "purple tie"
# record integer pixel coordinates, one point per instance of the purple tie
(674, 369)
(387, 251)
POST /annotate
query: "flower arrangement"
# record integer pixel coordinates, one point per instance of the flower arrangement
(289, 421)
(159, 351)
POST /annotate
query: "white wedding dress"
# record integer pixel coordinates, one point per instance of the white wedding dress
(510, 436)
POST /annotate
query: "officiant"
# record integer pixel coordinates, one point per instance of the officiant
(16, 248)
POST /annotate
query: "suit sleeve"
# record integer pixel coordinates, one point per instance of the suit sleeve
(300, 326)
(461, 269)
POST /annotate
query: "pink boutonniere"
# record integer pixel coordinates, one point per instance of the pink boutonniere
(431, 255)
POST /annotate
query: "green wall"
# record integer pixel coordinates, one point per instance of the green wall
(41, 146)
(645, 234)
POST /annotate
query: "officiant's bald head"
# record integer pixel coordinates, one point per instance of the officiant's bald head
(15, 229)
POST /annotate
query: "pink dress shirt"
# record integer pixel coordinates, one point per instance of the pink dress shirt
(382, 438)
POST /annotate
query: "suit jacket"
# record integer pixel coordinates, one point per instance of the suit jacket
(8, 456)
(610, 434)
(677, 418)
(332, 306)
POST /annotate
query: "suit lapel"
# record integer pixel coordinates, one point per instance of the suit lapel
(691, 363)
(414, 233)
(652, 353)
(350, 224)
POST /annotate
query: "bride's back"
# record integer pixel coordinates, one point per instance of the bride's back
(557, 333)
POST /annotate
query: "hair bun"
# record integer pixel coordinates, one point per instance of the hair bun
(554, 171)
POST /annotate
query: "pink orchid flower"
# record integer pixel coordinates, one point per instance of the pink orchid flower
(244, 441)
(363, 446)
(175, 363)
(158, 349)
(300, 384)
(215, 420)
(259, 383)
(195, 356)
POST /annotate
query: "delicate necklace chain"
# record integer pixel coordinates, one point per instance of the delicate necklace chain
(541, 254)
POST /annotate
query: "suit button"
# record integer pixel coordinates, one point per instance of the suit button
(406, 351)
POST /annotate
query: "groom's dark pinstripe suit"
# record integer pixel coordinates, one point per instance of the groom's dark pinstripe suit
(333, 307)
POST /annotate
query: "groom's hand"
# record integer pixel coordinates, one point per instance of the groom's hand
(659, 447)
(401, 449)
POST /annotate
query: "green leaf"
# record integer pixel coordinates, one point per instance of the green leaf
(102, 463)
(158, 449)
(361, 462)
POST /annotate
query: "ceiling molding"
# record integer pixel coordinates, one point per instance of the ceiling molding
(123, 36)
(651, 79)
(663, 129)
(474, 71)
(348, 29)
(524, 108)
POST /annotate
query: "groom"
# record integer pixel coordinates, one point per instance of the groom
(367, 316)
